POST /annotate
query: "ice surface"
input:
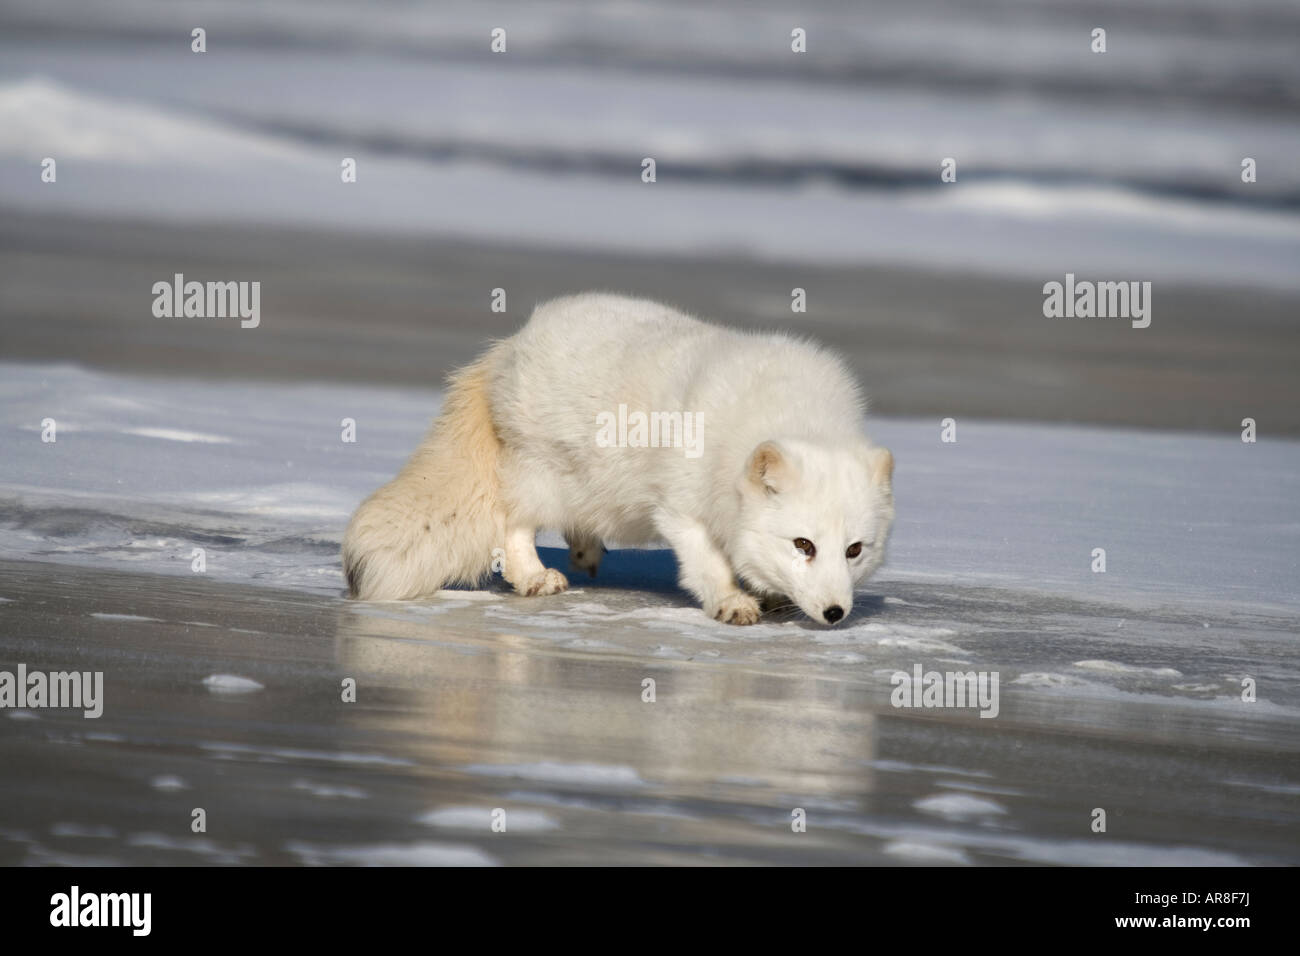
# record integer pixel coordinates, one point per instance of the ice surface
(1121, 689)
(1194, 520)
(1202, 528)
(584, 775)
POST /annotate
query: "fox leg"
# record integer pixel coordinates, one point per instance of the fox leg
(705, 571)
(771, 602)
(585, 551)
(524, 569)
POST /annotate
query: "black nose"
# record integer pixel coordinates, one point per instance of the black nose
(833, 613)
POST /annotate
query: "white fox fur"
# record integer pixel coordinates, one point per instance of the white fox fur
(782, 457)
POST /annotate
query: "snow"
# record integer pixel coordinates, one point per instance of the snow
(1194, 520)
(231, 684)
(481, 818)
(928, 854)
(128, 157)
(956, 806)
(328, 791)
(407, 854)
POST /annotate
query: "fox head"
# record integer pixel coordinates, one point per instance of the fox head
(814, 520)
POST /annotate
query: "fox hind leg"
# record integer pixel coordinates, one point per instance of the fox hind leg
(585, 551)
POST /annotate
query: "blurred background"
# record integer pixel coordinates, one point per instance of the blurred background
(521, 170)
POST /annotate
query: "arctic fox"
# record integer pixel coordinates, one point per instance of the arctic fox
(784, 498)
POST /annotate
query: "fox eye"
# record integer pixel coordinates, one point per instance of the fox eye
(855, 549)
(806, 546)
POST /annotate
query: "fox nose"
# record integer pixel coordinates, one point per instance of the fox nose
(833, 613)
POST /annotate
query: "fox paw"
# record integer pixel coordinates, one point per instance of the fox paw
(736, 608)
(585, 555)
(549, 581)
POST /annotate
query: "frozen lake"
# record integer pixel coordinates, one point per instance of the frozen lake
(1119, 691)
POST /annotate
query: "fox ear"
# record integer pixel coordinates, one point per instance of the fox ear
(769, 468)
(880, 466)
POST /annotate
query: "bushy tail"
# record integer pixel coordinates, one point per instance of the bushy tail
(439, 520)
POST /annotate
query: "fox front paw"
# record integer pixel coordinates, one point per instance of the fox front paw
(549, 581)
(736, 608)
